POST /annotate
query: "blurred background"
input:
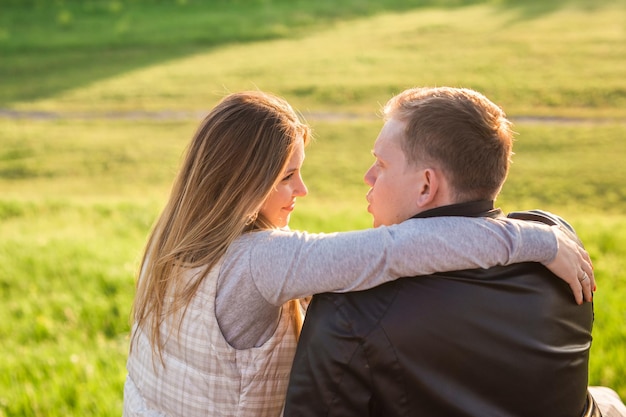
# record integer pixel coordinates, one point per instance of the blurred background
(98, 99)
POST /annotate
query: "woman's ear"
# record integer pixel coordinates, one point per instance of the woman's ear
(428, 188)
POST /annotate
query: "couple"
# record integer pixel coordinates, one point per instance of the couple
(216, 314)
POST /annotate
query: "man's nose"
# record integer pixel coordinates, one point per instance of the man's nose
(369, 177)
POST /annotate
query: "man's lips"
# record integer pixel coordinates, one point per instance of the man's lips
(368, 197)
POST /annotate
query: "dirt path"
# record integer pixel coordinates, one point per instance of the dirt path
(310, 116)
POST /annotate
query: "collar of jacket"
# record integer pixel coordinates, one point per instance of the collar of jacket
(479, 208)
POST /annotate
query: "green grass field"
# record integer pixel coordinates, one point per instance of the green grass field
(99, 98)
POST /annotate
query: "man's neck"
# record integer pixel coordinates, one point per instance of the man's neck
(479, 208)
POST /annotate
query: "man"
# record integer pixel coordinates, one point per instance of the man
(506, 341)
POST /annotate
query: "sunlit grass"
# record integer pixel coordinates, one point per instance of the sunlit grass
(568, 168)
(79, 194)
(66, 278)
(537, 65)
(72, 240)
(90, 159)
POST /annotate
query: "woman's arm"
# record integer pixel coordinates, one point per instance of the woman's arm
(286, 265)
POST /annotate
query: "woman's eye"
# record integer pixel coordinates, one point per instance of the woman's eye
(288, 177)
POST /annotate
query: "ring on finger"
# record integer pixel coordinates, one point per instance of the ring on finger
(584, 277)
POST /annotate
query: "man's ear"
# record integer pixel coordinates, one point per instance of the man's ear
(429, 187)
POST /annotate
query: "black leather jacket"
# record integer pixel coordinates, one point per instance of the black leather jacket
(506, 341)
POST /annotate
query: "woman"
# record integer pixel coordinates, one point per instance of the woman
(215, 331)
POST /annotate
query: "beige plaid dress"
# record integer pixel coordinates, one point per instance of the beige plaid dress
(203, 375)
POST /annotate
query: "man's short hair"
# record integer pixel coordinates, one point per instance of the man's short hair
(461, 132)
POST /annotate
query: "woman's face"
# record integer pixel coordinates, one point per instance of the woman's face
(280, 203)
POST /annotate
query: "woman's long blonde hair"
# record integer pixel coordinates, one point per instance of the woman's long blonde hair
(234, 160)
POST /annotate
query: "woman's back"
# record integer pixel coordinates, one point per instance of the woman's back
(202, 374)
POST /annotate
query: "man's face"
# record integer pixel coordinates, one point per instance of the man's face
(394, 183)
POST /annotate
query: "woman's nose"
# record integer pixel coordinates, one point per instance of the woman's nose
(301, 190)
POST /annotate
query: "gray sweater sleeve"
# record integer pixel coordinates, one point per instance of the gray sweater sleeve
(286, 265)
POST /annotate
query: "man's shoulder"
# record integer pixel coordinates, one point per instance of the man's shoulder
(541, 216)
(545, 217)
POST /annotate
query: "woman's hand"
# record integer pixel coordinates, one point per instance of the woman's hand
(573, 265)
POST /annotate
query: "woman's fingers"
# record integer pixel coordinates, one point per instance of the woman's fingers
(573, 265)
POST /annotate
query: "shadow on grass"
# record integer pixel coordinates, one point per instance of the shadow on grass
(48, 47)
(531, 9)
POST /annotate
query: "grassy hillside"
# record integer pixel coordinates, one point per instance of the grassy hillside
(99, 98)
(324, 56)
(80, 202)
